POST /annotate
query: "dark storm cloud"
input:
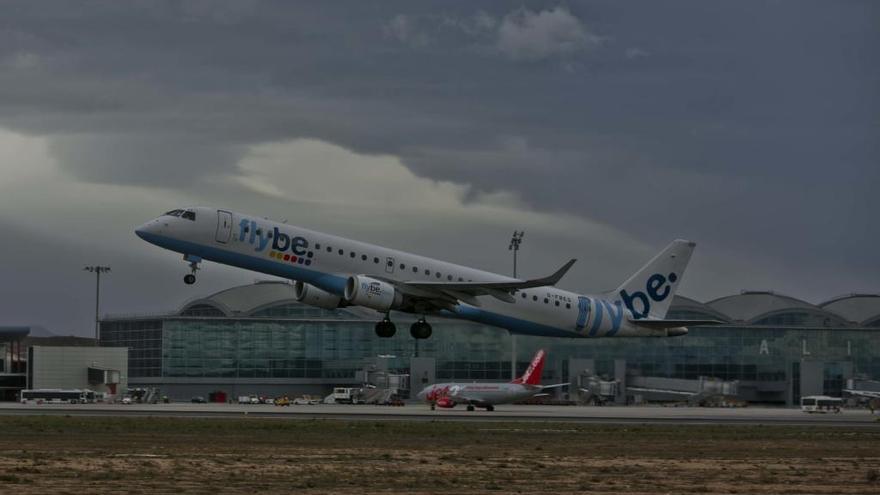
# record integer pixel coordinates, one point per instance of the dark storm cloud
(751, 127)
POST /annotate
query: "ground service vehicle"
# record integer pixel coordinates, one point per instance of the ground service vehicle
(59, 396)
(821, 404)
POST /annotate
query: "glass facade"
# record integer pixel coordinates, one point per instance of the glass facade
(143, 337)
(302, 344)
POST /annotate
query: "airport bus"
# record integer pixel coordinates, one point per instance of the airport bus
(59, 396)
(821, 404)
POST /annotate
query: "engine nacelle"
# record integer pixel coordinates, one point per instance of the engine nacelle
(445, 402)
(371, 293)
(313, 296)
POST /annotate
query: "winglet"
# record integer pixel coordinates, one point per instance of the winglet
(556, 277)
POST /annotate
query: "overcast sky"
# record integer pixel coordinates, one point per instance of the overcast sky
(603, 129)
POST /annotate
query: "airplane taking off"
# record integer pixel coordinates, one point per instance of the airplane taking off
(487, 395)
(332, 272)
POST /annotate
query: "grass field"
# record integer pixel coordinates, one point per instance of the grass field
(77, 455)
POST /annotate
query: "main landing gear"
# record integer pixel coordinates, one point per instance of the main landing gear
(385, 328)
(489, 407)
(193, 266)
(421, 329)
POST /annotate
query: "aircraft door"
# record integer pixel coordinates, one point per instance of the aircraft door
(389, 265)
(224, 226)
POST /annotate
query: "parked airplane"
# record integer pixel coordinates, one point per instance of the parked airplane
(487, 395)
(332, 272)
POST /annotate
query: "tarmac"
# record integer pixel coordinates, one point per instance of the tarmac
(416, 411)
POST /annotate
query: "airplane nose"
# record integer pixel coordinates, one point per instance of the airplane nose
(146, 229)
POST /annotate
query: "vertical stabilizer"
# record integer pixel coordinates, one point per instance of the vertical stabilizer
(648, 293)
(532, 376)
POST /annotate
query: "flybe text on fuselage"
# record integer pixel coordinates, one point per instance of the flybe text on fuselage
(251, 232)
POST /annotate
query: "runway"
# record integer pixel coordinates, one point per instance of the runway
(421, 412)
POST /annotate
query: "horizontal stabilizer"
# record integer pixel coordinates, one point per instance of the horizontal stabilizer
(674, 323)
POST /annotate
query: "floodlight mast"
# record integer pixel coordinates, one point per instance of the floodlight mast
(97, 270)
(515, 241)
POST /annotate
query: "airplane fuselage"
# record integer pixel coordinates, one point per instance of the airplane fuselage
(327, 262)
(478, 394)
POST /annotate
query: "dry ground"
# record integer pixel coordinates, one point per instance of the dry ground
(164, 455)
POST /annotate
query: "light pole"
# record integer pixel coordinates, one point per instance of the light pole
(514, 246)
(97, 270)
(515, 241)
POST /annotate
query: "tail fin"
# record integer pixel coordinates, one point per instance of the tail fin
(532, 376)
(648, 293)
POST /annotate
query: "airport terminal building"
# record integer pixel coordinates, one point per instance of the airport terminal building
(256, 339)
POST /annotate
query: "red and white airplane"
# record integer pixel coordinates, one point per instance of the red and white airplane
(486, 395)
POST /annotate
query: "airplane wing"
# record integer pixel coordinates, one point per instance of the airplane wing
(445, 294)
(557, 385)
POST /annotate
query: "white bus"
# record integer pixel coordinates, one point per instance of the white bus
(821, 404)
(58, 396)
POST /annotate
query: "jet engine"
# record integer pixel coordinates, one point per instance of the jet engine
(313, 296)
(445, 402)
(371, 293)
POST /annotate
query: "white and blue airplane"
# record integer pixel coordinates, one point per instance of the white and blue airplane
(332, 272)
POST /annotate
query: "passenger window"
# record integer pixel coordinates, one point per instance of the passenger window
(376, 260)
(523, 295)
(460, 279)
(567, 306)
(351, 254)
(427, 272)
(438, 274)
(449, 277)
(317, 246)
(363, 257)
(341, 252)
(557, 303)
(546, 301)
(415, 269)
(534, 298)
(329, 249)
(402, 266)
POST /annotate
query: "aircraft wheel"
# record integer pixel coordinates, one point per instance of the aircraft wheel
(490, 408)
(420, 330)
(470, 408)
(433, 406)
(189, 279)
(385, 328)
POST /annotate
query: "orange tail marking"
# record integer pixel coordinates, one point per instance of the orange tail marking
(532, 376)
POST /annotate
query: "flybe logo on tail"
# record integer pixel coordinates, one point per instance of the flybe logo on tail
(284, 246)
(657, 289)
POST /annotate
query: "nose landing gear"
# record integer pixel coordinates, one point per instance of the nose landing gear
(193, 266)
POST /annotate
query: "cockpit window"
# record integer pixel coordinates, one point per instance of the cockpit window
(174, 213)
(189, 215)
